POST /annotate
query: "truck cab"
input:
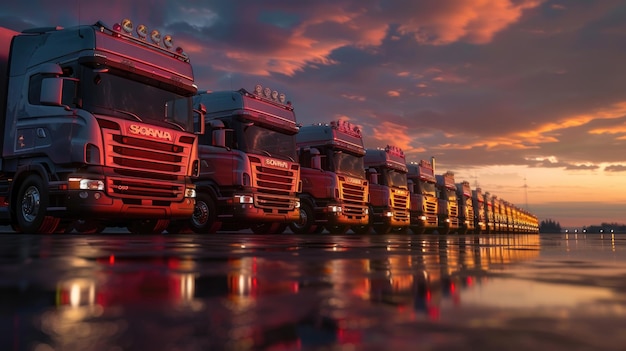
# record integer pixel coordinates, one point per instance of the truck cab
(422, 185)
(249, 176)
(466, 207)
(448, 205)
(480, 220)
(389, 193)
(335, 192)
(98, 129)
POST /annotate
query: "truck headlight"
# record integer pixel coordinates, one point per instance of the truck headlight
(388, 214)
(190, 192)
(244, 199)
(334, 208)
(86, 184)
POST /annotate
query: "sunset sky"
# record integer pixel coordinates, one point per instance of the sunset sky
(525, 98)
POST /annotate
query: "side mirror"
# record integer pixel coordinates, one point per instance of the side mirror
(219, 137)
(51, 91)
(373, 175)
(316, 159)
(200, 125)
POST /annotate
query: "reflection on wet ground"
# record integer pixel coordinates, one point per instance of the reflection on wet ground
(244, 291)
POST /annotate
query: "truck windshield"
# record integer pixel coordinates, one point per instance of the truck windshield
(349, 164)
(393, 177)
(107, 93)
(260, 140)
(451, 194)
(428, 188)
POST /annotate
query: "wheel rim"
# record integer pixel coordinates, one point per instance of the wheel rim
(200, 214)
(303, 220)
(30, 204)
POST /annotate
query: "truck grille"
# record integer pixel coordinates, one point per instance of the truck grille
(431, 211)
(400, 206)
(275, 187)
(146, 167)
(354, 199)
(454, 215)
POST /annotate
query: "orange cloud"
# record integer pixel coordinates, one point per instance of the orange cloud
(393, 134)
(473, 21)
(548, 132)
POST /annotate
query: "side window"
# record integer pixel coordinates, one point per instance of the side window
(70, 92)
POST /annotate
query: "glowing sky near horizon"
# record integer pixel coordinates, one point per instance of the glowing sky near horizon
(525, 98)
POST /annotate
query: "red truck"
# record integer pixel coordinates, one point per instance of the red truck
(335, 192)
(389, 206)
(448, 205)
(422, 185)
(466, 207)
(98, 129)
(249, 176)
(480, 220)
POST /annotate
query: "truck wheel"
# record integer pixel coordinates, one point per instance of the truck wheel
(148, 226)
(306, 224)
(32, 202)
(204, 218)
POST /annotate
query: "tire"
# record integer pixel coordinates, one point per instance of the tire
(204, 218)
(30, 211)
(148, 226)
(268, 228)
(306, 224)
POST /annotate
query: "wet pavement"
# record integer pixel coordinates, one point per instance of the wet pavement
(116, 291)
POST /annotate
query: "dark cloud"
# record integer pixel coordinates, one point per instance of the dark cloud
(615, 168)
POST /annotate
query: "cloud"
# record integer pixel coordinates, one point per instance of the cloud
(615, 168)
(447, 21)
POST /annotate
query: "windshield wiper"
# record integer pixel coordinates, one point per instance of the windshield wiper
(176, 124)
(127, 113)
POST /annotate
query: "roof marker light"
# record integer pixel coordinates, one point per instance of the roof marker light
(267, 92)
(127, 26)
(142, 31)
(258, 89)
(282, 98)
(167, 41)
(155, 36)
